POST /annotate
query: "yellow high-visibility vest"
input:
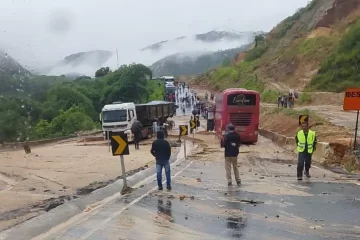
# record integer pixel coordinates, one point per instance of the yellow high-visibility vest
(302, 141)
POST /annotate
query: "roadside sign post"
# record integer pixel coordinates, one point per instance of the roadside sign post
(184, 131)
(196, 119)
(352, 103)
(356, 129)
(120, 147)
(192, 129)
(108, 139)
(123, 171)
(303, 119)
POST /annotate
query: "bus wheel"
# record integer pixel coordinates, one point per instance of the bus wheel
(149, 136)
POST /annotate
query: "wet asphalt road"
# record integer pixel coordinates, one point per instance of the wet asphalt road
(184, 107)
(320, 208)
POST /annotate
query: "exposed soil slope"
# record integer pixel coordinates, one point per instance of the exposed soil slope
(292, 54)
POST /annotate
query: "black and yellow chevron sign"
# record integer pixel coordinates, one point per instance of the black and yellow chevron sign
(119, 143)
(303, 119)
(184, 130)
(192, 125)
(196, 118)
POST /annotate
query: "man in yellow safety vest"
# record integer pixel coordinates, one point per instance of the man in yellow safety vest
(306, 144)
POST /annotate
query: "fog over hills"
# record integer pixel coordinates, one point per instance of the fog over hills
(193, 63)
(9, 66)
(86, 63)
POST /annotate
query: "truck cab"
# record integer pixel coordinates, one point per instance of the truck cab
(118, 117)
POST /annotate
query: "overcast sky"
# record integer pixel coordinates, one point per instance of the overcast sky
(43, 31)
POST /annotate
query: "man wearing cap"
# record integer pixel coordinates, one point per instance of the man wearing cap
(306, 144)
(232, 143)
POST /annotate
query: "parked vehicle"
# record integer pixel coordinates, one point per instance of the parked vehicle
(119, 117)
(241, 107)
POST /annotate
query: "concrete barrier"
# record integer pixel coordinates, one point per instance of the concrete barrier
(323, 149)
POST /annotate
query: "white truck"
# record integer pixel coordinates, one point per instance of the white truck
(119, 117)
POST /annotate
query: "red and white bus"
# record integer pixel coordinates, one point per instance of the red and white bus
(241, 107)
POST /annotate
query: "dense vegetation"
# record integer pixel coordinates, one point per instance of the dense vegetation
(43, 107)
(184, 64)
(341, 69)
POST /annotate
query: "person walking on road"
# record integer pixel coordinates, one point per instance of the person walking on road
(232, 143)
(161, 150)
(306, 144)
(136, 130)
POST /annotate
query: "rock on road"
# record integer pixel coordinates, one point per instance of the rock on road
(270, 204)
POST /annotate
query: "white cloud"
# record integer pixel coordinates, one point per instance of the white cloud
(42, 32)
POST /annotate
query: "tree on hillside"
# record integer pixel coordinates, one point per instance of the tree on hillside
(102, 72)
(50, 106)
(83, 77)
(260, 38)
(128, 83)
(13, 120)
(64, 97)
(67, 122)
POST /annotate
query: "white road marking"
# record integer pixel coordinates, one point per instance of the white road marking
(104, 222)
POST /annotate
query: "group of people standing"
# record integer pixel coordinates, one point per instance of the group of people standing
(287, 100)
(212, 96)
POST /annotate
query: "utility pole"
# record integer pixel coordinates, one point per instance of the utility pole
(117, 59)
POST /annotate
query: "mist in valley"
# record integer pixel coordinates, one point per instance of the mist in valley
(39, 34)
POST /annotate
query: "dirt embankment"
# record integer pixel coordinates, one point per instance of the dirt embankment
(285, 122)
(295, 57)
(339, 10)
(340, 139)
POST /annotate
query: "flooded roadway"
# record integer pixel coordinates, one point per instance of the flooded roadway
(270, 204)
(185, 107)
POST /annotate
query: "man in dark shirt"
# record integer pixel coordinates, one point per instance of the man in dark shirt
(136, 130)
(161, 150)
(232, 143)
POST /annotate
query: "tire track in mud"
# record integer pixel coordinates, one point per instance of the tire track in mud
(9, 181)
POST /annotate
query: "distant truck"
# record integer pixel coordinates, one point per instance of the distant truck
(169, 92)
(119, 117)
(169, 79)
